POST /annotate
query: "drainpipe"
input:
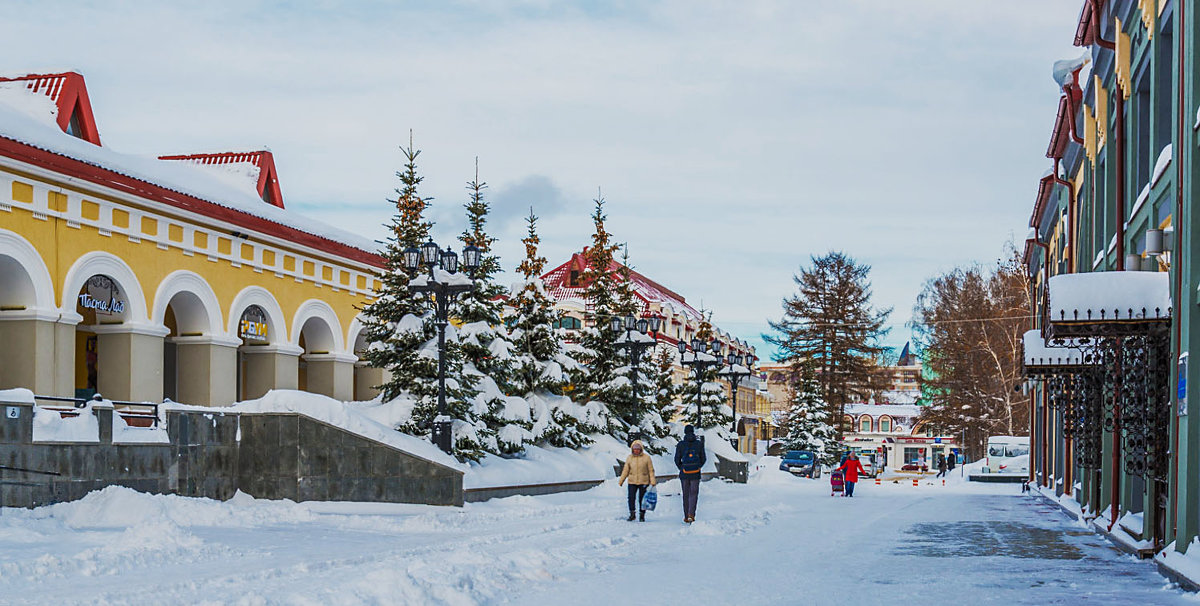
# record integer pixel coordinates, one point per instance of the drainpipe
(1096, 24)
(1177, 258)
(1119, 135)
(1070, 250)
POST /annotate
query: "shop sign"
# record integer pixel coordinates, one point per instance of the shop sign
(102, 295)
(253, 325)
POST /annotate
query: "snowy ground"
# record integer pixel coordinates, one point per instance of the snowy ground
(777, 540)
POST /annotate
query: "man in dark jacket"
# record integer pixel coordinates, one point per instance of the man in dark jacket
(689, 458)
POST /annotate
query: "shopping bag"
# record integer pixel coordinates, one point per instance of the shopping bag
(650, 499)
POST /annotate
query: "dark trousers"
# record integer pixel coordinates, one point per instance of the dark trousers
(850, 488)
(691, 492)
(636, 492)
(941, 473)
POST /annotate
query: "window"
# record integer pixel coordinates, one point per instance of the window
(912, 455)
(864, 424)
(568, 323)
(847, 423)
(574, 279)
(75, 127)
(885, 424)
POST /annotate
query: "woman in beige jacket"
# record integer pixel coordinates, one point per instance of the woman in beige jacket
(639, 470)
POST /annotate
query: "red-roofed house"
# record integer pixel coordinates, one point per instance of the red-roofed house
(69, 94)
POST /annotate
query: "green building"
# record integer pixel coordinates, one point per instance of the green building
(1114, 275)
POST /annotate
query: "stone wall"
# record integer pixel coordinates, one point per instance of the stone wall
(277, 456)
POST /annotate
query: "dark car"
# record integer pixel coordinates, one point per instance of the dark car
(801, 463)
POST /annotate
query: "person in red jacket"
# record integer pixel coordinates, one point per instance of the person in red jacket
(851, 468)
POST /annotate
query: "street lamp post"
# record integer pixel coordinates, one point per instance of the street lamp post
(734, 373)
(635, 329)
(699, 362)
(443, 284)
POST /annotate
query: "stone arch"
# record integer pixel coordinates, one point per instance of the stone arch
(323, 324)
(257, 295)
(106, 264)
(24, 279)
(354, 333)
(193, 299)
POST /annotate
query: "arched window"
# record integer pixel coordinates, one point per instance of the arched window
(864, 424)
(885, 424)
(568, 323)
(847, 423)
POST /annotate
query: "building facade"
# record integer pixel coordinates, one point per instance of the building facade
(1113, 275)
(181, 277)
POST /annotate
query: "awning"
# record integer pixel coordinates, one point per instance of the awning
(1038, 355)
(1108, 303)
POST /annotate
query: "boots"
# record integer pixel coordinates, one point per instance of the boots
(642, 516)
(630, 518)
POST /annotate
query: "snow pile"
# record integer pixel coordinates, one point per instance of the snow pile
(18, 395)
(51, 426)
(347, 417)
(124, 433)
(1037, 353)
(1064, 69)
(1116, 294)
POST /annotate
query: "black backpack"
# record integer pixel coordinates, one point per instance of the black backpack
(690, 460)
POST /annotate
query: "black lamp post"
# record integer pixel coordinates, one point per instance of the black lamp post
(443, 285)
(734, 373)
(635, 329)
(699, 362)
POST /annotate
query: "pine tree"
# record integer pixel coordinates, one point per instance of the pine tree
(403, 336)
(396, 324)
(629, 405)
(831, 323)
(655, 424)
(483, 337)
(597, 352)
(808, 426)
(712, 395)
(540, 363)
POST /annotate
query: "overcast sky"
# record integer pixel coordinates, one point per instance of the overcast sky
(732, 140)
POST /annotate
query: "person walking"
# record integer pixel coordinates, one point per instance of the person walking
(851, 468)
(639, 470)
(689, 458)
(941, 466)
(951, 461)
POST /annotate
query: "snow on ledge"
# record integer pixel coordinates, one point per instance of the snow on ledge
(1160, 165)
(19, 395)
(351, 419)
(1037, 353)
(1110, 295)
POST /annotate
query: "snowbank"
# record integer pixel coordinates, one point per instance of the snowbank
(19, 395)
(347, 417)
(124, 433)
(51, 426)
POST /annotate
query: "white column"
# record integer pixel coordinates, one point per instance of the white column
(129, 361)
(267, 367)
(331, 374)
(31, 354)
(206, 369)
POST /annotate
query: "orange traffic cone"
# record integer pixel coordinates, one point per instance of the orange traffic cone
(877, 482)
(914, 481)
(943, 482)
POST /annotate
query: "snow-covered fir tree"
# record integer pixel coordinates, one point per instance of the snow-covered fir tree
(483, 338)
(540, 363)
(402, 333)
(711, 396)
(597, 352)
(632, 405)
(807, 421)
(655, 423)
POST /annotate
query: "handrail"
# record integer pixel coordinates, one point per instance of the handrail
(81, 402)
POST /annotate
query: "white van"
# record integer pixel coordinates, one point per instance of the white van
(1007, 454)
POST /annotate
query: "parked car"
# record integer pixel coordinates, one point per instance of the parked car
(801, 463)
(914, 467)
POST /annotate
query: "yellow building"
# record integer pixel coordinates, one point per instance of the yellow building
(179, 277)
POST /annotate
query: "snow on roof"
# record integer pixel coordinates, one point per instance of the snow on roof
(875, 410)
(1064, 69)
(1037, 353)
(1110, 295)
(250, 171)
(20, 122)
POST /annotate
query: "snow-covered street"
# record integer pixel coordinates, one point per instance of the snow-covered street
(777, 540)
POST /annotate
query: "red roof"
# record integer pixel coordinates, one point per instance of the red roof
(558, 285)
(267, 183)
(1043, 196)
(68, 91)
(1085, 34)
(1062, 134)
